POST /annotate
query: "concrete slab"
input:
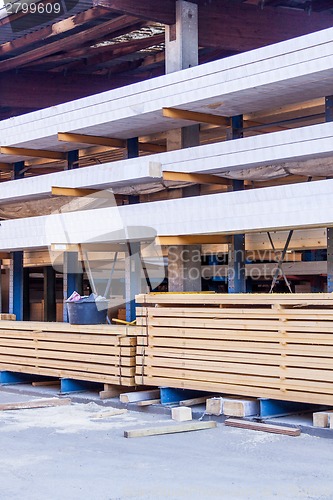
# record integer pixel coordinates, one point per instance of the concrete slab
(65, 453)
(260, 79)
(306, 205)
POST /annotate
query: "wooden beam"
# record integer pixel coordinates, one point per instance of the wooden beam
(194, 240)
(91, 139)
(107, 141)
(76, 192)
(258, 426)
(35, 153)
(169, 429)
(52, 30)
(89, 247)
(195, 178)
(161, 12)
(38, 403)
(6, 167)
(183, 114)
(67, 43)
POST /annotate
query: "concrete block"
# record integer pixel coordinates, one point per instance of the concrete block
(241, 407)
(214, 406)
(181, 413)
(322, 419)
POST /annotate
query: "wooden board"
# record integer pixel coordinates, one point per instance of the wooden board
(40, 403)
(169, 429)
(257, 426)
(96, 353)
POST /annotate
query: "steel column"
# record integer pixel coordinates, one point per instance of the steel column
(329, 118)
(50, 308)
(236, 250)
(72, 159)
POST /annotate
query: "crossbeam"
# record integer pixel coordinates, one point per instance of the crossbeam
(34, 153)
(196, 178)
(75, 192)
(110, 142)
(193, 239)
(182, 114)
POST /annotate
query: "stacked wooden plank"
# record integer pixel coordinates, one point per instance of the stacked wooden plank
(96, 353)
(276, 346)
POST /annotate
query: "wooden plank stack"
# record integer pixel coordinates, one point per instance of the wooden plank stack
(277, 346)
(96, 353)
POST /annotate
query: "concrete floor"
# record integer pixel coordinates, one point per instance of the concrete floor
(63, 453)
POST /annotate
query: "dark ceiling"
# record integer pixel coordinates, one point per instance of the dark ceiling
(86, 47)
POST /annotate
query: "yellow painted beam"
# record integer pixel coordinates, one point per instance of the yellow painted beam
(196, 239)
(77, 192)
(151, 148)
(196, 178)
(91, 139)
(107, 141)
(35, 153)
(89, 247)
(194, 116)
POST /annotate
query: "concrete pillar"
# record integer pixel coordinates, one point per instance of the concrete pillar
(236, 250)
(181, 39)
(184, 268)
(181, 52)
(72, 277)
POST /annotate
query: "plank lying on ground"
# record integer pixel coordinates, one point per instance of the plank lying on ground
(169, 429)
(107, 414)
(148, 402)
(134, 397)
(257, 426)
(38, 403)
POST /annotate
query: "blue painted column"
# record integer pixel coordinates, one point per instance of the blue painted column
(236, 257)
(132, 147)
(329, 118)
(72, 159)
(16, 280)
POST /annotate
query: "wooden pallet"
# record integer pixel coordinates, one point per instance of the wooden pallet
(276, 346)
(96, 353)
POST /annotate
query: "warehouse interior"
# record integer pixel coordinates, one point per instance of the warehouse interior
(176, 146)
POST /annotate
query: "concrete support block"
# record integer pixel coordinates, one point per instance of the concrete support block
(181, 413)
(214, 406)
(241, 407)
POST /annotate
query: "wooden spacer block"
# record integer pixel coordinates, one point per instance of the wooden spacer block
(322, 418)
(214, 406)
(240, 407)
(181, 413)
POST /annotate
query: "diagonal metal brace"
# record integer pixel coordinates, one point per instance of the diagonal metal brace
(280, 262)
